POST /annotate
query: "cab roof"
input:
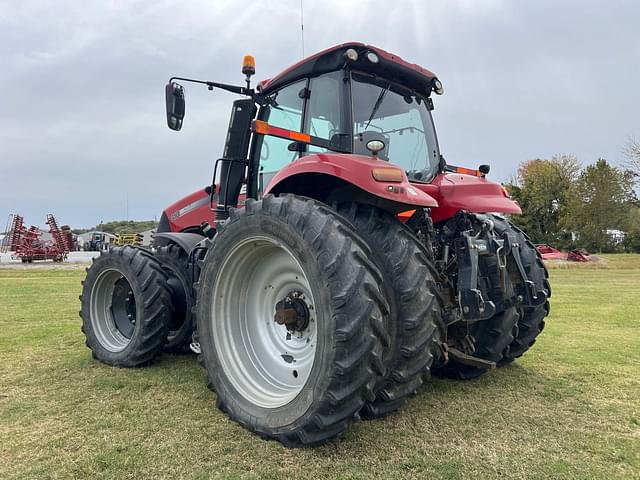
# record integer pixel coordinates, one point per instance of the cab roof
(390, 66)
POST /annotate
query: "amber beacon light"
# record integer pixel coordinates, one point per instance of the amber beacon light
(248, 65)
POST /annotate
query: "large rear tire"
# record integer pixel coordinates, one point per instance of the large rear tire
(488, 339)
(298, 383)
(531, 319)
(175, 262)
(410, 287)
(126, 307)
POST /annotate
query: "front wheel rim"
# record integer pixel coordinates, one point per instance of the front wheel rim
(267, 363)
(113, 310)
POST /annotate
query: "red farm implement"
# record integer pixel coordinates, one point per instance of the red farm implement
(27, 245)
(547, 252)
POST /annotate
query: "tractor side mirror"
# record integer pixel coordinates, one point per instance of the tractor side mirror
(174, 96)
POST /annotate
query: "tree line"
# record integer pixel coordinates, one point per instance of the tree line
(120, 226)
(570, 206)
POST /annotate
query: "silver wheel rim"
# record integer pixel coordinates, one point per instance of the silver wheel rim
(266, 363)
(107, 326)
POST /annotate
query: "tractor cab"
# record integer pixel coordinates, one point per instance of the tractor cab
(352, 99)
(349, 112)
(352, 121)
(349, 100)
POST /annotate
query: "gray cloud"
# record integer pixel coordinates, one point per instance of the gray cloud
(82, 109)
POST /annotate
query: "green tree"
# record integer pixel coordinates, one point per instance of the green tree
(121, 226)
(130, 226)
(631, 153)
(601, 201)
(542, 188)
(632, 240)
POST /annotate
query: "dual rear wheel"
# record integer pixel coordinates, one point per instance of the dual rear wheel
(299, 318)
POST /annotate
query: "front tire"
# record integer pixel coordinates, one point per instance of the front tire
(175, 262)
(298, 383)
(126, 307)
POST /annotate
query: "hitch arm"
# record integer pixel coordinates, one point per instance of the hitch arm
(466, 359)
(473, 306)
(531, 297)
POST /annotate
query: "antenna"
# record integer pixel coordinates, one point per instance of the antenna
(302, 27)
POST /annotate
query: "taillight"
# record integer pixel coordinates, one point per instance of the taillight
(406, 215)
(386, 174)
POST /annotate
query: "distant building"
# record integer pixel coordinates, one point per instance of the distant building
(94, 240)
(617, 236)
(89, 235)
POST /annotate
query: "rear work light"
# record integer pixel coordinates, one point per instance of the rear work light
(386, 174)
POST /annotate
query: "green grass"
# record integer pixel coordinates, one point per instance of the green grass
(570, 408)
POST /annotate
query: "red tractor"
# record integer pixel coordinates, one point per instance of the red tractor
(335, 260)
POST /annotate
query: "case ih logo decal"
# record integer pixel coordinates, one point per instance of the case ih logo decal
(192, 206)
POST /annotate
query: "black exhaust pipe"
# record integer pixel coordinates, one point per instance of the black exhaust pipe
(234, 159)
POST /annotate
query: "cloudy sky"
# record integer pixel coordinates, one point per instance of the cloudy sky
(82, 125)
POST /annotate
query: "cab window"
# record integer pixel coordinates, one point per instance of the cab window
(324, 115)
(282, 109)
(385, 111)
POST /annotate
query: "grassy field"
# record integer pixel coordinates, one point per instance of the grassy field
(569, 409)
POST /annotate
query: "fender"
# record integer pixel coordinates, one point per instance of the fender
(455, 192)
(186, 241)
(332, 177)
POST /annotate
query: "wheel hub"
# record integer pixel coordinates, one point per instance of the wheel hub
(123, 307)
(292, 312)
